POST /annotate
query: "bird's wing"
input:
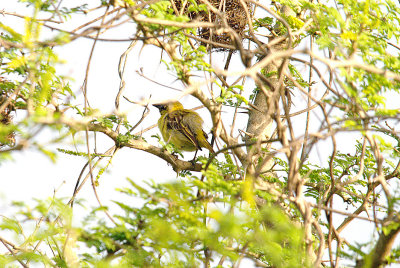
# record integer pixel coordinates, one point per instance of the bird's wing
(205, 134)
(175, 121)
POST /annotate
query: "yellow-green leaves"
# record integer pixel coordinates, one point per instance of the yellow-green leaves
(17, 62)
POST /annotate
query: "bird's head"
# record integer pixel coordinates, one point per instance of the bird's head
(169, 107)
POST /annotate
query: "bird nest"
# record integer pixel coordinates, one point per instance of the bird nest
(232, 11)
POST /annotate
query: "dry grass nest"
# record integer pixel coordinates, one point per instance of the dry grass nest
(233, 12)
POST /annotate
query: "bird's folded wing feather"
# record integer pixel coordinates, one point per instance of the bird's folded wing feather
(175, 121)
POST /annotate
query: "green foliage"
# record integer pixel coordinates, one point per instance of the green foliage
(298, 77)
(69, 152)
(29, 80)
(263, 22)
(345, 168)
(162, 10)
(49, 7)
(46, 226)
(365, 37)
(179, 221)
(230, 97)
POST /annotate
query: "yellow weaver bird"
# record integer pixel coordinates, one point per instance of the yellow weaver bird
(182, 127)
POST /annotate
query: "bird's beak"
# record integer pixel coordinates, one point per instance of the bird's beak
(158, 106)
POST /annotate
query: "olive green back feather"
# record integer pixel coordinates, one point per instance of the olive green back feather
(182, 126)
(177, 121)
